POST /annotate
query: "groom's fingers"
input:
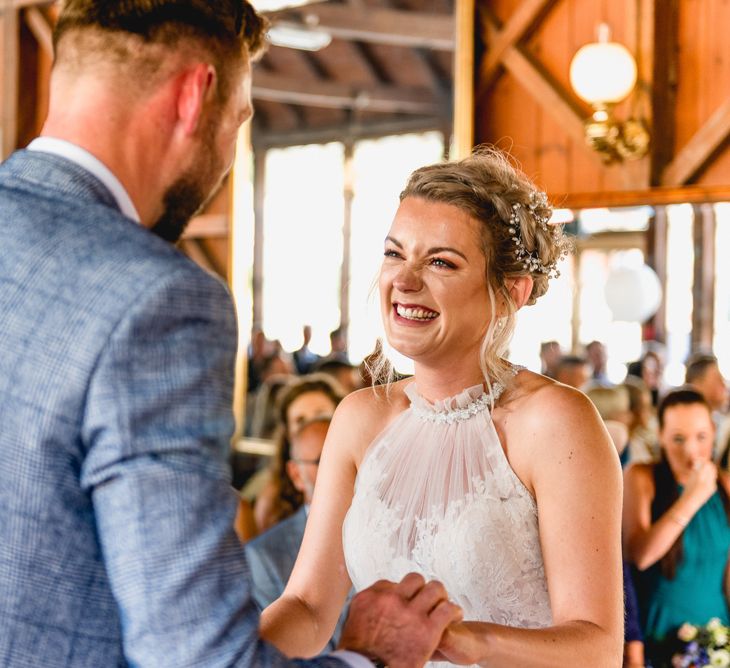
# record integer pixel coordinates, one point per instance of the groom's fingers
(429, 596)
(446, 613)
(410, 585)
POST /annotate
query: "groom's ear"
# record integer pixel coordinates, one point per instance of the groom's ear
(194, 88)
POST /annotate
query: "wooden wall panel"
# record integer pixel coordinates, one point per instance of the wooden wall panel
(544, 141)
(703, 79)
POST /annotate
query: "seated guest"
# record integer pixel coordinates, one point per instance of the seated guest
(643, 431)
(676, 526)
(597, 356)
(703, 373)
(613, 407)
(302, 400)
(344, 373)
(271, 556)
(573, 370)
(304, 358)
(550, 356)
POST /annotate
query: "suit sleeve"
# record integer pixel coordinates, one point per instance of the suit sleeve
(265, 582)
(156, 432)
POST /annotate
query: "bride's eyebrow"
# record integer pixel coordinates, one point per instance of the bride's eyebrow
(431, 251)
(442, 249)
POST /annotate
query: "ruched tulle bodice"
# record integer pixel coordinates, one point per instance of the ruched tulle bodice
(435, 494)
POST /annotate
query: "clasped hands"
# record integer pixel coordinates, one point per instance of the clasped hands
(402, 624)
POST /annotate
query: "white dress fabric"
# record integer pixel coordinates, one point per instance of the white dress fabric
(436, 495)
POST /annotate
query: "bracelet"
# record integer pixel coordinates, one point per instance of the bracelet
(678, 519)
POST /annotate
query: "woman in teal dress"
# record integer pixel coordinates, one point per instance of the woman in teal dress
(676, 526)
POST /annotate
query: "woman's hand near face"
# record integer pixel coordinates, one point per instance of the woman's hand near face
(701, 483)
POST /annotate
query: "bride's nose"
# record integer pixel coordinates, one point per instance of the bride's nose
(408, 278)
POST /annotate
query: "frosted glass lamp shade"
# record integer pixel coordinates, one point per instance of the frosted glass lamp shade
(603, 72)
(633, 293)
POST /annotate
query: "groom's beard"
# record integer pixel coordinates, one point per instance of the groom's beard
(181, 202)
(192, 190)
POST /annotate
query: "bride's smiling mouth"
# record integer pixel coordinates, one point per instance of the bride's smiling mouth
(413, 313)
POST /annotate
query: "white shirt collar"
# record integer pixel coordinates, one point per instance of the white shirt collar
(93, 165)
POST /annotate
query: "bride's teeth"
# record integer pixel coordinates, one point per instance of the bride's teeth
(415, 313)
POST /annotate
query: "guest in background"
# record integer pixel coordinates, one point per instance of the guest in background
(597, 358)
(302, 400)
(342, 372)
(650, 369)
(271, 556)
(338, 345)
(573, 370)
(676, 529)
(613, 407)
(703, 373)
(643, 429)
(304, 358)
(550, 356)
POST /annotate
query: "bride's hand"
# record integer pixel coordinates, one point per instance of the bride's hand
(460, 644)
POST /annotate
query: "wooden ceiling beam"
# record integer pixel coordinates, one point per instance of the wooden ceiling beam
(379, 26)
(538, 83)
(651, 196)
(207, 225)
(41, 29)
(520, 23)
(9, 49)
(699, 150)
(350, 131)
(390, 99)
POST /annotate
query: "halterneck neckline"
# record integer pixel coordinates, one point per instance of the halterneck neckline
(459, 407)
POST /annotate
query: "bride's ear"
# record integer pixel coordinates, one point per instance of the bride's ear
(520, 289)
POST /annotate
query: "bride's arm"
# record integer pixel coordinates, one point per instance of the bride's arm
(564, 454)
(303, 619)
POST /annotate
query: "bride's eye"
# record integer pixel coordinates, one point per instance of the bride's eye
(440, 262)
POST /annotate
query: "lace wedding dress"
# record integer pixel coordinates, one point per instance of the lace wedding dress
(435, 494)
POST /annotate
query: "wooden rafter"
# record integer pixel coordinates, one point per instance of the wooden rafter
(8, 81)
(207, 225)
(652, 196)
(535, 80)
(379, 26)
(330, 94)
(699, 150)
(40, 28)
(522, 21)
(351, 130)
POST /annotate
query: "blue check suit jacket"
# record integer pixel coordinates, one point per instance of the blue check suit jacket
(116, 363)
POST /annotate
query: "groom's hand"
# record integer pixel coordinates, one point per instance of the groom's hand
(399, 624)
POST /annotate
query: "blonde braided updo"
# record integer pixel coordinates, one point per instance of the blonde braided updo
(516, 237)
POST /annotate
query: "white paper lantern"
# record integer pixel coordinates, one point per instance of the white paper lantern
(633, 293)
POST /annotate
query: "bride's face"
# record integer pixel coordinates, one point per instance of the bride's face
(433, 290)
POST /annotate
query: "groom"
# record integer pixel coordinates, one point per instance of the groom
(116, 359)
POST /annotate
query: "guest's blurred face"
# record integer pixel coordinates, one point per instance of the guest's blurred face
(433, 290)
(306, 407)
(686, 437)
(306, 449)
(713, 388)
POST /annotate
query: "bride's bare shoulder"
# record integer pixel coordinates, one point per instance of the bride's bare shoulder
(375, 404)
(363, 414)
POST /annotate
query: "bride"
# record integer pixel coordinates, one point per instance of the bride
(499, 482)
